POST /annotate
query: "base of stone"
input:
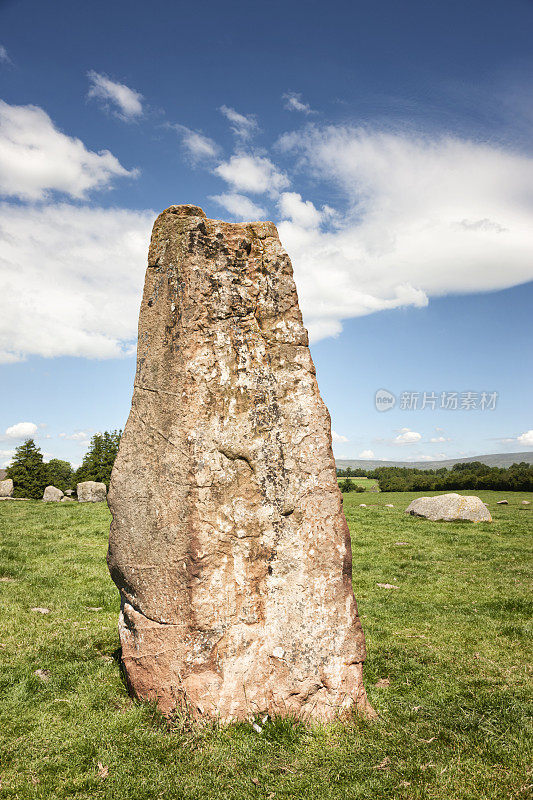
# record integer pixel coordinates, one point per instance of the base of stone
(258, 681)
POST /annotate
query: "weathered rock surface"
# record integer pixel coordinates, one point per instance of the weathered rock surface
(228, 542)
(52, 495)
(91, 492)
(449, 507)
(6, 488)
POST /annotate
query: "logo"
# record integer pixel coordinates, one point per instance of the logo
(384, 400)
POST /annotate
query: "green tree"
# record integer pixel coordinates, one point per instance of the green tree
(99, 458)
(28, 471)
(59, 474)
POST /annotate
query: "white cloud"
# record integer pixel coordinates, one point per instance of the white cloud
(436, 457)
(302, 213)
(197, 146)
(8, 455)
(407, 436)
(294, 102)
(4, 55)
(242, 125)
(366, 454)
(255, 174)
(127, 102)
(436, 439)
(337, 437)
(424, 217)
(36, 158)
(240, 206)
(78, 436)
(21, 430)
(526, 438)
(70, 280)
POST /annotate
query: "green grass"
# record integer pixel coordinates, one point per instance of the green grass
(366, 482)
(452, 639)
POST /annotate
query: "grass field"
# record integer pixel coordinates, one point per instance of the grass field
(366, 482)
(451, 644)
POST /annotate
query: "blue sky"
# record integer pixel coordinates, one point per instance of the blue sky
(390, 143)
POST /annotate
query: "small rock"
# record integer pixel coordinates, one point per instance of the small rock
(52, 494)
(502, 503)
(362, 505)
(43, 674)
(401, 544)
(526, 503)
(94, 608)
(67, 500)
(387, 586)
(389, 505)
(40, 610)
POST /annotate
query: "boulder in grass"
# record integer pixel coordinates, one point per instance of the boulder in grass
(52, 495)
(6, 488)
(502, 503)
(526, 502)
(91, 492)
(449, 508)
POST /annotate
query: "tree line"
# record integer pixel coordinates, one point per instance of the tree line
(31, 474)
(470, 475)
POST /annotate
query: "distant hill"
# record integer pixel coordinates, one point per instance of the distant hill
(492, 460)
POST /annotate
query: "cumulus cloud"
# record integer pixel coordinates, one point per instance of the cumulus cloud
(407, 436)
(125, 102)
(197, 146)
(77, 436)
(21, 430)
(366, 454)
(37, 159)
(337, 437)
(242, 125)
(301, 212)
(423, 217)
(70, 280)
(525, 439)
(4, 55)
(294, 102)
(436, 439)
(240, 206)
(252, 173)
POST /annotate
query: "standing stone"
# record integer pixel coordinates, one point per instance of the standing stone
(228, 542)
(6, 488)
(91, 492)
(52, 495)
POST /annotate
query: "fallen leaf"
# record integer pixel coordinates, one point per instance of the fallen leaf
(35, 780)
(103, 772)
(428, 741)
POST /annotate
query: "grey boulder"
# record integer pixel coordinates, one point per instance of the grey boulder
(449, 508)
(52, 495)
(91, 492)
(6, 488)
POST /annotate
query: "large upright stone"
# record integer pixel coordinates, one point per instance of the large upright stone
(228, 542)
